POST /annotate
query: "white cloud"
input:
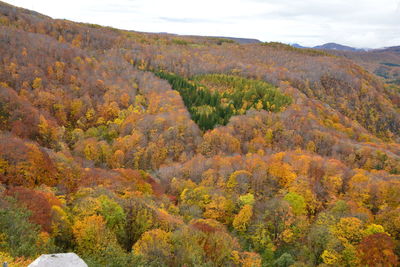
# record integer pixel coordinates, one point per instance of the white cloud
(360, 23)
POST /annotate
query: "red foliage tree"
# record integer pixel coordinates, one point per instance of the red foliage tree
(39, 203)
(377, 250)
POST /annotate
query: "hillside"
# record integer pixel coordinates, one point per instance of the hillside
(385, 62)
(140, 149)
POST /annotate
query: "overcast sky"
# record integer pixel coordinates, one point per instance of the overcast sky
(359, 23)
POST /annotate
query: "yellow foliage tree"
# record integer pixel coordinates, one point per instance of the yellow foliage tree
(92, 235)
(242, 219)
(374, 229)
(349, 229)
(250, 259)
(283, 172)
(37, 83)
(154, 243)
(59, 70)
(117, 159)
(48, 133)
(330, 257)
(219, 209)
(359, 188)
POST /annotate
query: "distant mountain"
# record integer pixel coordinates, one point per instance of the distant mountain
(298, 46)
(335, 46)
(339, 47)
(395, 49)
(332, 46)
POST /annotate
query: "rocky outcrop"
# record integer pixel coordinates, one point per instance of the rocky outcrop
(59, 260)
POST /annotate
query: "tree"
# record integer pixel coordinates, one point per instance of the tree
(390, 220)
(359, 187)
(155, 246)
(349, 229)
(39, 203)
(330, 257)
(61, 228)
(319, 237)
(282, 172)
(18, 236)
(377, 250)
(374, 229)
(139, 219)
(220, 209)
(113, 214)
(37, 83)
(187, 247)
(37, 169)
(216, 242)
(278, 218)
(91, 235)
(117, 159)
(242, 219)
(260, 239)
(297, 203)
(239, 181)
(249, 259)
(247, 199)
(285, 260)
(97, 243)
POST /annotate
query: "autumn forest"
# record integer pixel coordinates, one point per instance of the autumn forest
(140, 149)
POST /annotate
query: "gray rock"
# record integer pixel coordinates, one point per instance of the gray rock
(58, 260)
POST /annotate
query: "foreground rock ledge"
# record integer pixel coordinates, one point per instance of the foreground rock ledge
(58, 260)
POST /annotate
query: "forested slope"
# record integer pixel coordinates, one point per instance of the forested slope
(139, 149)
